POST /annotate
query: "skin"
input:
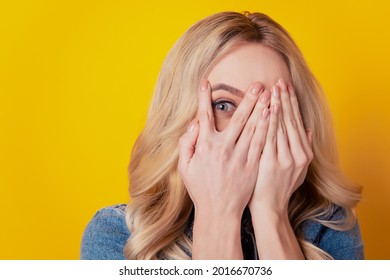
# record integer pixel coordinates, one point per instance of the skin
(247, 146)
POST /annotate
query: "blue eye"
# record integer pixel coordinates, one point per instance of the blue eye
(223, 105)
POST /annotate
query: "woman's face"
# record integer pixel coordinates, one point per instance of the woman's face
(232, 75)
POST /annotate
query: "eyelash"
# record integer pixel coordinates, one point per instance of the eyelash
(219, 101)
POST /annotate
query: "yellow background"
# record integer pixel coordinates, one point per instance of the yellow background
(76, 79)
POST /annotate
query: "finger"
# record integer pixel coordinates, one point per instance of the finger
(298, 119)
(282, 148)
(241, 115)
(290, 123)
(270, 142)
(205, 111)
(259, 138)
(255, 123)
(187, 145)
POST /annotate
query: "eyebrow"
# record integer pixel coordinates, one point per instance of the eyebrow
(228, 88)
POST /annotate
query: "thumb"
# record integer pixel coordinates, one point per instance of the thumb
(187, 145)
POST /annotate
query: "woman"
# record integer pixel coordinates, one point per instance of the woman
(237, 159)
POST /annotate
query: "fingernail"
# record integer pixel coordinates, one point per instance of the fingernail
(291, 90)
(255, 89)
(283, 86)
(265, 96)
(265, 113)
(191, 126)
(275, 91)
(204, 84)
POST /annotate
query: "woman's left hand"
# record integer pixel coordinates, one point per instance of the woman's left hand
(286, 155)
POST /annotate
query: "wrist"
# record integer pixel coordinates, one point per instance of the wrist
(217, 223)
(218, 212)
(275, 237)
(215, 216)
(216, 236)
(266, 212)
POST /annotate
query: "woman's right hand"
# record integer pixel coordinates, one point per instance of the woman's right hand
(220, 169)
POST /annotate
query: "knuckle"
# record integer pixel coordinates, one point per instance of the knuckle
(302, 160)
(249, 128)
(203, 148)
(292, 122)
(290, 164)
(204, 115)
(287, 163)
(239, 118)
(282, 130)
(271, 139)
(224, 153)
(258, 142)
(261, 128)
(261, 143)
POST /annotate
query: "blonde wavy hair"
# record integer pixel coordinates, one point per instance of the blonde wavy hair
(158, 213)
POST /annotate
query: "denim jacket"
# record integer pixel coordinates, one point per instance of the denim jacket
(106, 234)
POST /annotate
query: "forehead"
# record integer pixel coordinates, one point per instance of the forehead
(246, 63)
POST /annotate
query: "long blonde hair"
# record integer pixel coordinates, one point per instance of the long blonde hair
(158, 214)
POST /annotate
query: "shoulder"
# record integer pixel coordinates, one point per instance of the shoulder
(105, 235)
(347, 245)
